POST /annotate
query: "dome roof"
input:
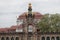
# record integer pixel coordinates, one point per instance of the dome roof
(37, 15)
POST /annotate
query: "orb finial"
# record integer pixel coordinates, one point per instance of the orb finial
(30, 5)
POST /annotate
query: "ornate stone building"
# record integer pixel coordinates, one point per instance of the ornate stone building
(26, 28)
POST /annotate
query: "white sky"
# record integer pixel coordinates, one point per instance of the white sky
(9, 9)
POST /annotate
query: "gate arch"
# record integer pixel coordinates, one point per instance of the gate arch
(52, 38)
(43, 38)
(57, 38)
(2, 38)
(48, 38)
(7, 38)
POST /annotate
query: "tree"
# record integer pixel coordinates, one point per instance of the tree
(55, 21)
(50, 23)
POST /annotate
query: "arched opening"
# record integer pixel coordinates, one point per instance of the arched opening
(30, 28)
(52, 38)
(2, 38)
(57, 38)
(17, 38)
(7, 38)
(12, 38)
(48, 38)
(43, 38)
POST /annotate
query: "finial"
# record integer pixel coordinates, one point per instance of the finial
(30, 5)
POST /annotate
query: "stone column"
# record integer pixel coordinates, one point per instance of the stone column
(9, 38)
(55, 38)
(40, 37)
(25, 38)
(4, 37)
(13, 37)
(45, 37)
(50, 38)
(20, 37)
(34, 37)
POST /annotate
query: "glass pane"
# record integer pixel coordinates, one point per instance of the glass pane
(48, 38)
(57, 38)
(30, 28)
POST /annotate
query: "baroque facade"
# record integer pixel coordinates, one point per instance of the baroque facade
(26, 28)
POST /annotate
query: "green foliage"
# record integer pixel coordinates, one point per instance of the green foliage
(50, 23)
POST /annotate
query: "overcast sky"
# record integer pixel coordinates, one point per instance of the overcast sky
(9, 9)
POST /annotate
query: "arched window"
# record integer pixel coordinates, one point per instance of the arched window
(48, 38)
(43, 38)
(2, 38)
(30, 28)
(7, 38)
(12, 38)
(57, 38)
(52, 38)
(17, 38)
